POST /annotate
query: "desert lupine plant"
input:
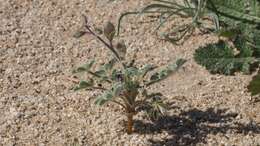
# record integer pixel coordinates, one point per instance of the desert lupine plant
(121, 81)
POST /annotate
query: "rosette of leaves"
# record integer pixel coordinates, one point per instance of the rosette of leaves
(168, 10)
(121, 81)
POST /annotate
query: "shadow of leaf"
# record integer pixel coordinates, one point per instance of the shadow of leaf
(193, 126)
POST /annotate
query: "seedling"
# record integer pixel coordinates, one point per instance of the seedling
(121, 81)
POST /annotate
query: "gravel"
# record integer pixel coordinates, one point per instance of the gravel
(37, 107)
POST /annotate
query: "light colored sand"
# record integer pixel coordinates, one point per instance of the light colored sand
(37, 54)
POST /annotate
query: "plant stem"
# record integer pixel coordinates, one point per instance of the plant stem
(130, 123)
(119, 103)
(108, 45)
(96, 75)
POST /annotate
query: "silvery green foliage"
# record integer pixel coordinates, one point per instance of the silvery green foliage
(120, 80)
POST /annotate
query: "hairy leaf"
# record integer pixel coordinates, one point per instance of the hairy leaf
(101, 73)
(101, 76)
(84, 68)
(131, 71)
(100, 100)
(125, 84)
(108, 66)
(116, 75)
(84, 85)
(117, 89)
(146, 69)
(164, 73)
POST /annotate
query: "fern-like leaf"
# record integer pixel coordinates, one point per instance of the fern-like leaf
(254, 86)
(220, 58)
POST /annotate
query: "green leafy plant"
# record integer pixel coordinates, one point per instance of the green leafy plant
(121, 81)
(221, 58)
(195, 10)
(236, 11)
(254, 86)
(240, 21)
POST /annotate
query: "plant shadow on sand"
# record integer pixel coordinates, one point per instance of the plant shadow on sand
(192, 127)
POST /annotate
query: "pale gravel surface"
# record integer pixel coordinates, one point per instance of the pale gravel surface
(37, 54)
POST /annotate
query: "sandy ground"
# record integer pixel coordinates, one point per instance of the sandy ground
(37, 107)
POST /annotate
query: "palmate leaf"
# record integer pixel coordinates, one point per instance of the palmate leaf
(220, 58)
(101, 73)
(254, 86)
(84, 85)
(115, 91)
(159, 107)
(101, 76)
(138, 74)
(108, 66)
(84, 68)
(102, 99)
(164, 73)
(154, 107)
(105, 71)
(131, 71)
(147, 68)
(116, 75)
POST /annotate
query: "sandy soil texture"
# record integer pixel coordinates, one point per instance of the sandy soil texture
(37, 107)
